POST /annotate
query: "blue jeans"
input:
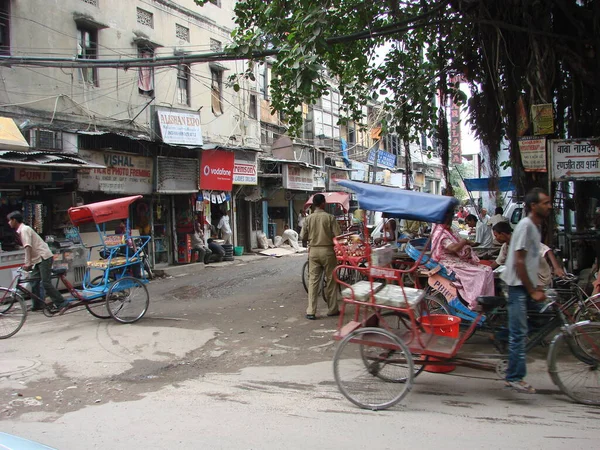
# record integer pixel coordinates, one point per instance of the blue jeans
(518, 301)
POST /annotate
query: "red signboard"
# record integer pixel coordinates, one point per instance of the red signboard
(216, 171)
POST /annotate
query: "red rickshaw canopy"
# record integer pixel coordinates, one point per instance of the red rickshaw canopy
(102, 212)
(334, 198)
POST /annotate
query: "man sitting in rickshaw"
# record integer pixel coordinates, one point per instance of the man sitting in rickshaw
(472, 279)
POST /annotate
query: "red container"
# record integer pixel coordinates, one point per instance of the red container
(441, 325)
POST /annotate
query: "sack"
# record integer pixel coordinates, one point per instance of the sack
(278, 241)
(262, 240)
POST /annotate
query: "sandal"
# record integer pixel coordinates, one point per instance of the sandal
(520, 386)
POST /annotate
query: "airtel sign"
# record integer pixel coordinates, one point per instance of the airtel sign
(216, 171)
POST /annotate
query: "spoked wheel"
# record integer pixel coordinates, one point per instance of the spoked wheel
(436, 304)
(399, 323)
(127, 300)
(574, 360)
(13, 312)
(590, 311)
(305, 276)
(373, 368)
(99, 309)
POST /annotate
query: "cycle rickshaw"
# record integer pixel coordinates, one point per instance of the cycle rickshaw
(120, 292)
(393, 333)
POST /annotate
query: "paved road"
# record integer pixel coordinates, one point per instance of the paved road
(225, 359)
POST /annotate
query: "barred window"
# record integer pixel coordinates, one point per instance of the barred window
(145, 17)
(91, 2)
(182, 32)
(215, 46)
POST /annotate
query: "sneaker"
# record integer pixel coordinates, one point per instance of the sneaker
(311, 317)
(520, 386)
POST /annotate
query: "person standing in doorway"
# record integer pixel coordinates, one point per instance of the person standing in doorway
(521, 277)
(38, 260)
(319, 230)
(223, 225)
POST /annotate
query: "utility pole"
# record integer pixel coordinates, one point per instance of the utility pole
(376, 148)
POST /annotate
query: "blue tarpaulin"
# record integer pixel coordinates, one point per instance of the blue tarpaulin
(505, 184)
(395, 202)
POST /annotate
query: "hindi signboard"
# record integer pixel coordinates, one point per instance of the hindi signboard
(124, 174)
(533, 154)
(575, 159)
(543, 119)
(297, 177)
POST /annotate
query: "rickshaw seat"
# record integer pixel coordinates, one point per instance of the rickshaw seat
(105, 263)
(394, 295)
(362, 290)
(59, 271)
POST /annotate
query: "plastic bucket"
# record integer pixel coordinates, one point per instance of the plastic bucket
(441, 325)
(238, 251)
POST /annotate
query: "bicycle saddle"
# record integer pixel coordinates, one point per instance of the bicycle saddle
(59, 271)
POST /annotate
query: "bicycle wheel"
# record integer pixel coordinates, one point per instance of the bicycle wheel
(14, 313)
(127, 300)
(147, 268)
(590, 311)
(436, 304)
(373, 368)
(305, 276)
(573, 362)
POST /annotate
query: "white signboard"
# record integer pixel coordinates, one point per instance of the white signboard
(533, 154)
(124, 173)
(575, 159)
(360, 171)
(297, 177)
(180, 128)
(337, 175)
(319, 179)
(245, 172)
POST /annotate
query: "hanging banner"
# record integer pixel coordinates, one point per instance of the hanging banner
(124, 174)
(575, 159)
(216, 170)
(455, 137)
(522, 118)
(543, 119)
(179, 128)
(533, 154)
(297, 177)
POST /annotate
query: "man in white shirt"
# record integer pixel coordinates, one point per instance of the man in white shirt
(38, 259)
(483, 233)
(497, 217)
(485, 217)
(223, 225)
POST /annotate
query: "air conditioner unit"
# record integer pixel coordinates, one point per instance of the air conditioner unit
(46, 139)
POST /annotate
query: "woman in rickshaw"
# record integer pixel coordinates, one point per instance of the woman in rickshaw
(472, 279)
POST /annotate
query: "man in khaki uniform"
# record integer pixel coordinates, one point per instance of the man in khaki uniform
(319, 230)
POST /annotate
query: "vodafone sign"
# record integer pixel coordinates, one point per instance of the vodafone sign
(216, 170)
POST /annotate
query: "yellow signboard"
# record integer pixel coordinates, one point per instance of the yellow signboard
(10, 136)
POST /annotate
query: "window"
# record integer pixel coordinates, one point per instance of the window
(87, 48)
(145, 17)
(216, 76)
(215, 46)
(182, 32)
(146, 74)
(326, 121)
(215, 2)
(4, 27)
(183, 85)
(252, 111)
(263, 80)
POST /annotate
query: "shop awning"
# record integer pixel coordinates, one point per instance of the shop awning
(290, 161)
(102, 212)
(505, 184)
(11, 137)
(50, 160)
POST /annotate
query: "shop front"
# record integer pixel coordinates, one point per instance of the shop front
(298, 181)
(245, 185)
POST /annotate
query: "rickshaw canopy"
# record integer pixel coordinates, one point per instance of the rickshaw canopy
(102, 212)
(396, 202)
(334, 198)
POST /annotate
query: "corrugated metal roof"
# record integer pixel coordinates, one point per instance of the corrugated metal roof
(45, 159)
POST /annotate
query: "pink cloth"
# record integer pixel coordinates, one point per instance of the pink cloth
(473, 279)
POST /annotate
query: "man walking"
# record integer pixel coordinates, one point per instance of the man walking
(38, 259)
(521, 277)
(319, 230)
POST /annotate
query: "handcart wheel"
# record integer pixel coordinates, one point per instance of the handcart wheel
(373, 368)
(574, 362)
(13, 312)
(127, 300)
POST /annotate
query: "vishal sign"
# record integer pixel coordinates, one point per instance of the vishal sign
(216, 170)
(180, 128)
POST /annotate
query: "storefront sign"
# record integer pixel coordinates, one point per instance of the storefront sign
(297, 177)
(575, 159)
(216, 170)
(533, 154)
(360, 171)
(176, 175)
(337, 175)
(124, 174)
(319, 181)
(32, 176)
(384, 159)
(455, 135)
(180, 128)
(543, 119)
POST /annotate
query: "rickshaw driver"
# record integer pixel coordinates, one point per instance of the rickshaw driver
(319, 230)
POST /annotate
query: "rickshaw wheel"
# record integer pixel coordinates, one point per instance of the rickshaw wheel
(127, 300)
(373, 368)
(574, 362)
(305, 280)
(13, 312)
(96, 308)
